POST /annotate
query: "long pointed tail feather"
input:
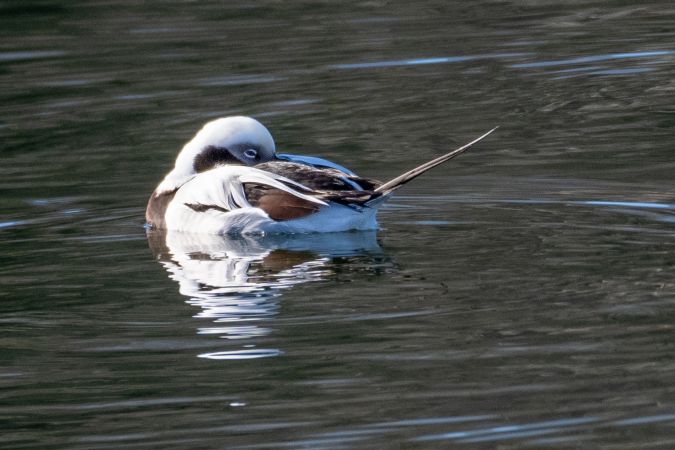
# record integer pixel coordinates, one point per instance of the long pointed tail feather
(402, 179)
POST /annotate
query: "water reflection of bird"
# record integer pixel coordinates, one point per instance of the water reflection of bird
(236, 280)
(229, 179)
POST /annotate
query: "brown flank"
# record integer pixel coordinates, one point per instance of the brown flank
(280, 205)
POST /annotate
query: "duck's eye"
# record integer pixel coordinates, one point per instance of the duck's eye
(251, 153)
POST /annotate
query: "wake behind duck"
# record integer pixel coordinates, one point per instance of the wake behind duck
(229, 180)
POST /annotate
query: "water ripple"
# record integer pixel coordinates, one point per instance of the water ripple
(425, 61)
(238, 80)
(28, 55)
(432, 421)
(242, 354)
(491, 433)
(646, 419)
(649, 205)
(13, 223)
(508, 431)
(594, 58)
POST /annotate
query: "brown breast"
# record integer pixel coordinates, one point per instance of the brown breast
(156, 209)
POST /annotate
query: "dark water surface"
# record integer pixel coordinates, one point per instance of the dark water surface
(521, 296)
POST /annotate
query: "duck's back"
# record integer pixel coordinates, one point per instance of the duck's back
(319, 178)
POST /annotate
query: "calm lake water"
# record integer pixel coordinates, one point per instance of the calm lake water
(522, 295)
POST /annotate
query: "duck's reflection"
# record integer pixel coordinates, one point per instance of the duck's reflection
(236, 281)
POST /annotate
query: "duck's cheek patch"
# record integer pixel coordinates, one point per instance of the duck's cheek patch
(211, 156)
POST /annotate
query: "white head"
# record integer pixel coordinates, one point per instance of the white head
(229, 140)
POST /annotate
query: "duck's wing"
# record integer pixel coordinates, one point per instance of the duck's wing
(328, 184)
(314, 161)
(229, 188)
(319, 179)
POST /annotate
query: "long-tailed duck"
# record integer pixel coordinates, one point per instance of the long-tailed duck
(229, 179)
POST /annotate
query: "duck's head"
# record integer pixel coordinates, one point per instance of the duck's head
(235, 140)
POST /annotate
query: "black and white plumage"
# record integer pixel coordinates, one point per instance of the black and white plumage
(229, 179)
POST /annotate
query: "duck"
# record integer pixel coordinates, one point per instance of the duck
(229, 179)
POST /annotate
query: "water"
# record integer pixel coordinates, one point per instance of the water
(520, 296)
